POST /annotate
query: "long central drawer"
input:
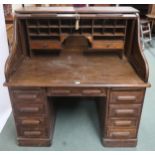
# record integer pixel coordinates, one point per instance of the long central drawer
(76, 92)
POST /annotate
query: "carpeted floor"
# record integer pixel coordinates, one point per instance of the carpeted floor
(77, 126)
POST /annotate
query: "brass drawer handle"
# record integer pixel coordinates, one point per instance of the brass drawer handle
(91, 91)
(60, 91)
(126, 98)
(124, 111)
(29, 109)
(27, 96)
(117, 134)
(30, 122)
(122, 122)
(32, 133)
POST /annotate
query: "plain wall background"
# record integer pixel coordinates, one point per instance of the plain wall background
(5, 106)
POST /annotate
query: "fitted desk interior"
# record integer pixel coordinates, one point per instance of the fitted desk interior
(78, 52)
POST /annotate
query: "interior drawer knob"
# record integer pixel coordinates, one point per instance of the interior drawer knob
(45, 45)
(108, 45)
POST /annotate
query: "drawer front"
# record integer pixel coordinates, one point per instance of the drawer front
(121, 133)
(28, 96)
(118, 122)
(116, 110)
(29, 109)
(34, 122)
(108, 44)
(126, 96)
(76, 92)
(45, 44)
(32, 133)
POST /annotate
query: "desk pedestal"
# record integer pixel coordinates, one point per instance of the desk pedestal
(119, 109)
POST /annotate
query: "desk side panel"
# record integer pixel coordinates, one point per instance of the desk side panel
(16, 54)
(137, 57)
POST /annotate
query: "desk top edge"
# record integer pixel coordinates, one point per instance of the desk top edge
(33, 10)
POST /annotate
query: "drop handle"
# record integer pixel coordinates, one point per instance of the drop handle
(122, 123)
(124, 111)
(126, 98)
(91, 91)
(32, 133)
(60, 91)
(29, 109)
(27, 96)
(118, 134)
(30, 122)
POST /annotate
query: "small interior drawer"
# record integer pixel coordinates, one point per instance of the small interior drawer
(121, 133)
(45, 44)
(121, 122)
(108, 44)
(126, 96)
(116, 110)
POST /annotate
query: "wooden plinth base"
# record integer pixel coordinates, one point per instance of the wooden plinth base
(119, 142)
(33, 142)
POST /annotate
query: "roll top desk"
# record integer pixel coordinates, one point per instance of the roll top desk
(77, 52)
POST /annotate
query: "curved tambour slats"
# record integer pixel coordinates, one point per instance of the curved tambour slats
(137, 57)
(15, 52)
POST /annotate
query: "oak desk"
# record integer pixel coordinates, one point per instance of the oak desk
(81, 52)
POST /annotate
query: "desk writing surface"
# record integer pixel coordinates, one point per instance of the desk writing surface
(68, 69)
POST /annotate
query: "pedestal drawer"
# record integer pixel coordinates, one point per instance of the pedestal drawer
(29, 109)
(121, 122)
(33, 133)
(126, 97)
(28, 96)
(121, 133)
(116, 110)
(34, 122)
